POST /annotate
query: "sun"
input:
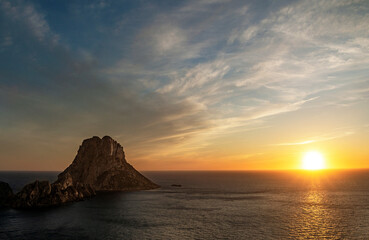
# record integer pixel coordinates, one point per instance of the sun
(313, 160)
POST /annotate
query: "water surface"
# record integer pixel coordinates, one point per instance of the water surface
(209, 205)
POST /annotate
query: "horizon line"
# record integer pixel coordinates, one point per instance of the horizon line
(213, 170)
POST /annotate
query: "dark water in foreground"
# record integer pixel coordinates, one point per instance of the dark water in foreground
(209, 205)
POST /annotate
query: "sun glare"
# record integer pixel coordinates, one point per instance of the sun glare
(313, 161)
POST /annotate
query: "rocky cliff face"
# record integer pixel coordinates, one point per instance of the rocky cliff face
(99, 166)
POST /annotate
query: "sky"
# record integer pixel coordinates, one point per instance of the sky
(185, 85)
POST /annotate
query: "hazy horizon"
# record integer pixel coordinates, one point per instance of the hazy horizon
(298, 169)
(185, 85)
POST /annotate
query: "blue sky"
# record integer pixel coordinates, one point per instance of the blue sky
(182, 84)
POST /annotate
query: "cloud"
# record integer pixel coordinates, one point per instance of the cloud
(69, 97)
(161, 38)
(197, 77)
(325, 137)
(160, 77)
(288, 66)
(29, 17)
(249, 33)
(296, 143)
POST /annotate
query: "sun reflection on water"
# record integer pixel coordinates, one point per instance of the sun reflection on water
(314, 219)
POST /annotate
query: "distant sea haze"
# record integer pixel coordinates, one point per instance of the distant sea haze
(206, 205)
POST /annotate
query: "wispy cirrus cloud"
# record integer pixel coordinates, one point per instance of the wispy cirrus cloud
(267, 67)
(178, 76)
(321, 138)
(30, 18)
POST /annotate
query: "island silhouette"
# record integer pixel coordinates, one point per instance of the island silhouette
(99, 166)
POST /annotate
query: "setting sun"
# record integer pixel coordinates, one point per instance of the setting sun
(313, 161)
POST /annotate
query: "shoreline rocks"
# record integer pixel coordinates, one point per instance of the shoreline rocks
(6, 194)
(43, 194)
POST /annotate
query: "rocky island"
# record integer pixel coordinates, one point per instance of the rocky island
(99, 166)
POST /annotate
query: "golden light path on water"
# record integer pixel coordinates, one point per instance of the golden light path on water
(315, 218)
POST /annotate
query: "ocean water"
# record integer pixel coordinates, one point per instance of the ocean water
(209, 205)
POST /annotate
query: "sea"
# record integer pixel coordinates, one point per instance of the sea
(326, 204)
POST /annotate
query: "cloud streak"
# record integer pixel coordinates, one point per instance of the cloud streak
(160, 77)
(325, 137)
